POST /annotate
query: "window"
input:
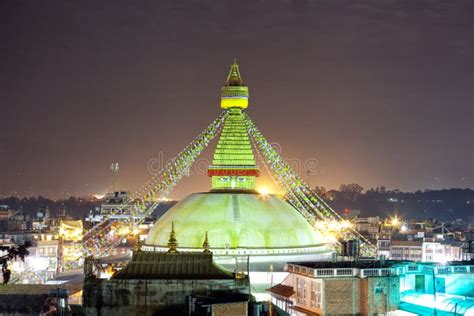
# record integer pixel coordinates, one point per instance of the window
(301, 291)
(315, 294)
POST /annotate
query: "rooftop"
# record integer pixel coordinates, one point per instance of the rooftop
(282, 290)
(180, 265)
(362, 264)
(375, 264)
(38, 289)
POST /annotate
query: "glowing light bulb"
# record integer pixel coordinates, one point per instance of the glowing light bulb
(346, 224)
(264, 191)
(395, 221)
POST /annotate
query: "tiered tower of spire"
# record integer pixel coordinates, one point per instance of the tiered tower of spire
(233, 166)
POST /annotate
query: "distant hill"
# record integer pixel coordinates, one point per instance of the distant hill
(441, 204)
(444, 205)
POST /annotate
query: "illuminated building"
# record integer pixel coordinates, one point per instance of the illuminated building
(253, 225)
(426, 250)
(375, 287)
(45, 255)
(71, 248)
(249, 232)
(241, 223)
(4, 213)
(383, 246)
(117, 211)
(369, 226)
(41, 263)
(168, 283)
(113, 207)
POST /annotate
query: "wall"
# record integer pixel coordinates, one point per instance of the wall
(230, 309)
(382, 294)
(302, 297)
(407, 282)
(459, 284)
(456, 284)
(351, 295)
(147, 297)
(342, 296)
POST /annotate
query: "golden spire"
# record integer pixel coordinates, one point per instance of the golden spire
(205, 244)
(234, 78)
(138, 245)
(172, 242)
(234, 94)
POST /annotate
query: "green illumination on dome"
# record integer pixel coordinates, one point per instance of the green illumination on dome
(234, 220)
(233, 214)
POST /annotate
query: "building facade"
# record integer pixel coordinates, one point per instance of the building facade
(376, 287)
(170, 283)
(338, 288)
(426, 251)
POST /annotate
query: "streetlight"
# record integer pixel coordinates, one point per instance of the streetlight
(395, 221)
(434, 293)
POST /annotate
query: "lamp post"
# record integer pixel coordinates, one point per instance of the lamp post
(434, 293)
(270, 307)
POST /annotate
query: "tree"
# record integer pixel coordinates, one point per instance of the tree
(320, 190)
(13, 253)
(351, 192)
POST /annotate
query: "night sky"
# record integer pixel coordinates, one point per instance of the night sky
(380, 92)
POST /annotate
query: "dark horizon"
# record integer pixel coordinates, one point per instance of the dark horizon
(378, 92)
(276, 191)
(443, 205)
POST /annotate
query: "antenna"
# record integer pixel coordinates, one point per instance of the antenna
(114, 167)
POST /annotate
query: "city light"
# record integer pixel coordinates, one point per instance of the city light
(37, 263)
(264, 191)
(135, 231)
(107, 273)
(334, 229)
(395, 221)
(345, 224)
(122, 230)
(71, 230)
(164, 199)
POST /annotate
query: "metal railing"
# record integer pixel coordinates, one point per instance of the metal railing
(371, 272)
(341, 272)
